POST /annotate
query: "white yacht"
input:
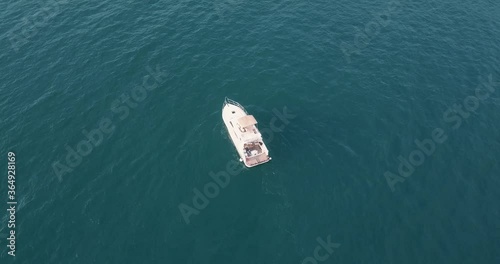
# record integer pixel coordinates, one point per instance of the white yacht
(244, 133)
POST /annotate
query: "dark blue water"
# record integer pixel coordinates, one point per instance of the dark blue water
(113, 109)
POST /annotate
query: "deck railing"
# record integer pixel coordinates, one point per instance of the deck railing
(229, 101)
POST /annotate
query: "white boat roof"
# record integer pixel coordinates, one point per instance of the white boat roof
(246, 121)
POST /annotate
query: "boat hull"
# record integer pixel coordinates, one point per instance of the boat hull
(248, 143)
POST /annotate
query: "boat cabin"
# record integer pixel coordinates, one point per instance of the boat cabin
(246, 122)
(246, 128)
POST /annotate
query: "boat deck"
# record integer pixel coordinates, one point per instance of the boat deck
(232, 113)
(245, 135)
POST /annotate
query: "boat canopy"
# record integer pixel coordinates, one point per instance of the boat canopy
(247, 121)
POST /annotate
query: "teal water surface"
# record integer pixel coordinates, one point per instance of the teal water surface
(359, 81)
